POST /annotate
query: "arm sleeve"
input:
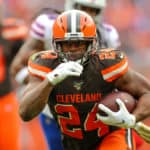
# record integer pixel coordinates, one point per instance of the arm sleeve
(41, 28)
(115, 64)
(40, 64)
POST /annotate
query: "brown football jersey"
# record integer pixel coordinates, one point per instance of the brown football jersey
(74, 101)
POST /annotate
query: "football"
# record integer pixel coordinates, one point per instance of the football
(110, 101)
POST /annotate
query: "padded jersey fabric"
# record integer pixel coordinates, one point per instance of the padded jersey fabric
(74, 101)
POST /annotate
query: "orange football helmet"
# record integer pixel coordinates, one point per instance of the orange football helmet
(74, 25)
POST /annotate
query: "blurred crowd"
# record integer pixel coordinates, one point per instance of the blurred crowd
(130, 17)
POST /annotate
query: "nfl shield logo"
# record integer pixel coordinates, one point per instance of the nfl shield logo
(78, 85)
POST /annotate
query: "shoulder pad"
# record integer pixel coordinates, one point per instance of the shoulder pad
(115, 64)
(40, 63)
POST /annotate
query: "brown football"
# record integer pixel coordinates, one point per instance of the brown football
(110, 101)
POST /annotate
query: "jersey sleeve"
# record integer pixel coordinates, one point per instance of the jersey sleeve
(114, 64)
(41, 28)
(111, 35)
(41, 63)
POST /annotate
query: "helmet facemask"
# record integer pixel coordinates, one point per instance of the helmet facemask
(80, 55)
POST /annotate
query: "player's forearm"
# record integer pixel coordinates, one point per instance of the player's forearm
(36, 96)
(142, 110)
(34, 101)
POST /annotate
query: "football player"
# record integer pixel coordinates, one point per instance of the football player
(41, 38)
(12, 35)
(73, 78)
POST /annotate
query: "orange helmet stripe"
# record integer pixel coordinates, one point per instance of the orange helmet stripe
(74, 23)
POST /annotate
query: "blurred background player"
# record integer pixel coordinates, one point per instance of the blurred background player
(15, 135)
(39, 39)
(12, 35)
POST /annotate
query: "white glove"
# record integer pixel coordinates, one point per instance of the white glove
(63, 71)
(143, 130)
(122, 118)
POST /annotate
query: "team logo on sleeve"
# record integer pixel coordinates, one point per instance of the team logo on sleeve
(107, 54)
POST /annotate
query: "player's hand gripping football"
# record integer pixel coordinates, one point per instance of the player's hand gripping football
(122, 118)
(63, 71)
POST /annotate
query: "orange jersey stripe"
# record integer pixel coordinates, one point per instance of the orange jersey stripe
(114, 67)
(117, 75)
(115, 71)
(37, 70)
(36, 75)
